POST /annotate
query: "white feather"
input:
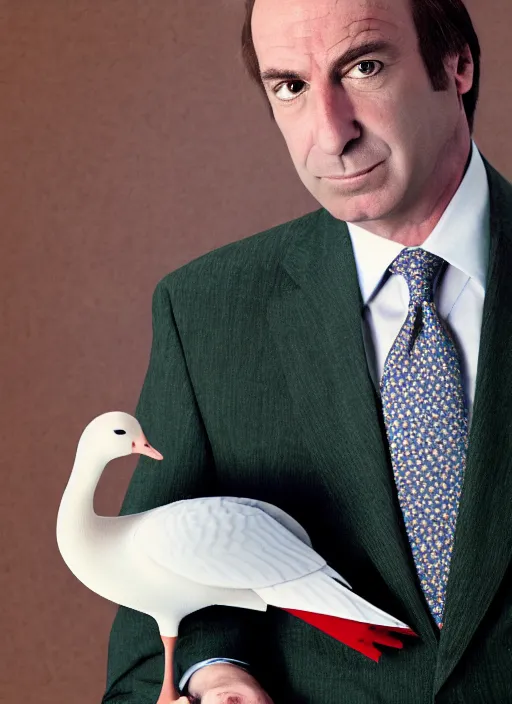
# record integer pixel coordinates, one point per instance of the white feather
(225, 542)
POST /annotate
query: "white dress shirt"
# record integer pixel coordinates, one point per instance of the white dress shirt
(462, 239)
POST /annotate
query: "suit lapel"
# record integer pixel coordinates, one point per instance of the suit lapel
(315, 318)
(483, 542)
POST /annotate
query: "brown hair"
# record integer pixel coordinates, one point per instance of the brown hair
(444, 28)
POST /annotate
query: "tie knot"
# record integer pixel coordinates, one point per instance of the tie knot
(419, 268)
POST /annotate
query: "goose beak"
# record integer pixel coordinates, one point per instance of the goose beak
(142, 446)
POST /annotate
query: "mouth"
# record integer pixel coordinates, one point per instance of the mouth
(352, 177)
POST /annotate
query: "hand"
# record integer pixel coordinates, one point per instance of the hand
(226, 684)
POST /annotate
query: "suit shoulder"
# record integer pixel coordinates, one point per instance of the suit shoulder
(248, 258)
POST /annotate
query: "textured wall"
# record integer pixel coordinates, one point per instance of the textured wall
(130, 143)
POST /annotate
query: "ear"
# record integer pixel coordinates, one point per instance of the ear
(460, 68)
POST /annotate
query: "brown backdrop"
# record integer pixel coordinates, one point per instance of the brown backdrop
(130, 143)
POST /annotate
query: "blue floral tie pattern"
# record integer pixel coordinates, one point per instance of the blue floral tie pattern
(426, 422)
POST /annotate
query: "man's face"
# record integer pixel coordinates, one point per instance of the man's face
(375, 109)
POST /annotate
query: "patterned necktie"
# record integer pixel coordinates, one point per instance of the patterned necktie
(426, 423)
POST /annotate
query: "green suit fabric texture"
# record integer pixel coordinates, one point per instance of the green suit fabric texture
(258, 386)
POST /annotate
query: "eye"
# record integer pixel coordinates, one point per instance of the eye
(367, 67)
(120, 432)
(278, 88)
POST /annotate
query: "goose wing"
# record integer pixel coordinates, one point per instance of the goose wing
(292, 525)
(225, 542)
(280, 516)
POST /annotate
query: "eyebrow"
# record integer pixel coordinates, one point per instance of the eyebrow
(352, 54)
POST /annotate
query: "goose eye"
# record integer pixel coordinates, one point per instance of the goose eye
(120, 432)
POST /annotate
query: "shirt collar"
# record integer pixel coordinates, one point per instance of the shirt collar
(461, 237)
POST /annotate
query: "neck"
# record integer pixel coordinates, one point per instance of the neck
(411, 226)
(93, 547)
(76, 520)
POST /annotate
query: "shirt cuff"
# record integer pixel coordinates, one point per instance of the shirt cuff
(212, 661)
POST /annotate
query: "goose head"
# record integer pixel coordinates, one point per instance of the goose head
(107, 437)
(115, 434)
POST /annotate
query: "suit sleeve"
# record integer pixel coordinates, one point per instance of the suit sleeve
(169, 415)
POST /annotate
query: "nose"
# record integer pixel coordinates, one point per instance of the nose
(335, 120)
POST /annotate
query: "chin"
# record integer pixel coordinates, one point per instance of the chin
(353, 212)
(360, 208)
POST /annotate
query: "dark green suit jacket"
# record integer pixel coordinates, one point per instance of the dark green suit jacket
(258, 386)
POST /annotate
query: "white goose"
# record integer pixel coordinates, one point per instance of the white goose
(176, 559)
